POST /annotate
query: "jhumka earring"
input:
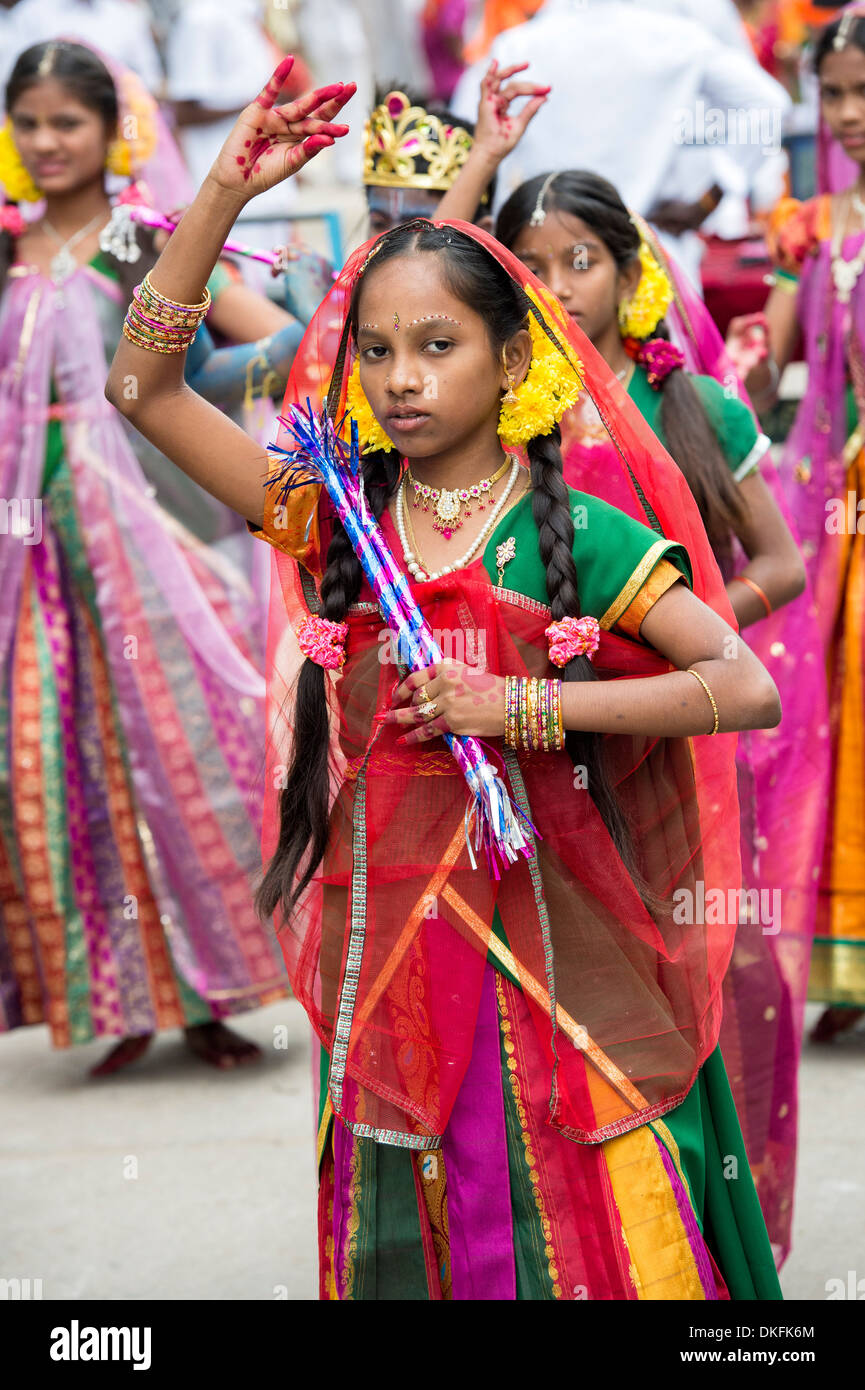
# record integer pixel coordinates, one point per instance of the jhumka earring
(510, 395)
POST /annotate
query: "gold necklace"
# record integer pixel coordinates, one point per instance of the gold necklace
(411, 555)
(447, 505)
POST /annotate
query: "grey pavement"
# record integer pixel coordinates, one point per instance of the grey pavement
(174, 1181)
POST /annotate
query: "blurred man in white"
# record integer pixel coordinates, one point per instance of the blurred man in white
(218, 56)
(120, 28)
(701, 167)
(626, 81)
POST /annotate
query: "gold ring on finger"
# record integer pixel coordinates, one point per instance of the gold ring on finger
(428, 710)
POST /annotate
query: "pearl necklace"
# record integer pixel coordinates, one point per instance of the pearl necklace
(415, 569)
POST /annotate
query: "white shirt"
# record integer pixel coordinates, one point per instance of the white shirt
(218, 54)
(630, 86)
(720, 17)
(120, 28)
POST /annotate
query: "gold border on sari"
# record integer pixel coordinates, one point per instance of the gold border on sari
(634, 584)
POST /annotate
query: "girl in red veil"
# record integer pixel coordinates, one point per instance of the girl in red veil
(521, 1091)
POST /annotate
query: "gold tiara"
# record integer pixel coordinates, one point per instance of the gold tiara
(405, 146)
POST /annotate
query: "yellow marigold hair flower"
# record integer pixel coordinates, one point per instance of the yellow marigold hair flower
(16, 181)
(136, 135)
(551, 386)
(371, 436)
(640, 315)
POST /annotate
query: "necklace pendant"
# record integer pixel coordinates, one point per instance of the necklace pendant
(846, 274)
(447, 507)
(447, 529)
(62, 266)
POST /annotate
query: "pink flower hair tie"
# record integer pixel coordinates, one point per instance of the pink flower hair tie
(323, 641)
(571, 637)
(660, 358)
(133, 194)
(11, 220)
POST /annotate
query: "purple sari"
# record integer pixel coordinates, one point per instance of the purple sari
(782, 776)
(144, 642)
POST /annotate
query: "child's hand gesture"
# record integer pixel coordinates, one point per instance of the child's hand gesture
(748, 342)
(498, 131)
(449, 697)
(269, 143)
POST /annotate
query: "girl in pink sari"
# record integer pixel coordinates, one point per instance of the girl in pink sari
(131, 690)
(819, 252)
(573, 229)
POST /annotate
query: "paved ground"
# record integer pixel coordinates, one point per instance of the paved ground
(223, 1203)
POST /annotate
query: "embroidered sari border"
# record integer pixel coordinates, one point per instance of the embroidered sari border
(635, 583)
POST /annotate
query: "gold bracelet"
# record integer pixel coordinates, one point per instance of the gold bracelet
(150, 289)
(532, 731)
(697, 676)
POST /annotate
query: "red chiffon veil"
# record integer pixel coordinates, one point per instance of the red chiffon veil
(387, 947)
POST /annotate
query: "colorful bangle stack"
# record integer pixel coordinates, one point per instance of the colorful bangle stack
(533, 714)
(159, 324)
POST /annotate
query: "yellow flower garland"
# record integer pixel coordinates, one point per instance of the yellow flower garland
(552, 383)
(640, 315)
(17, 183)
(136, 138)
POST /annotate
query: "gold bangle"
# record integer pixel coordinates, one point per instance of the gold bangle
(557, 706)
(147, 287)
(152, 344)
(532, 730)
(697, 676)
(512, 696)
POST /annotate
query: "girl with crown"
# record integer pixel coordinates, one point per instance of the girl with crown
(131, 696)
(521, 1091)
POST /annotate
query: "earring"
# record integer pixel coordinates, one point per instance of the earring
(510, 395)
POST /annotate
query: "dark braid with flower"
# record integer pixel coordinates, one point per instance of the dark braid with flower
(476, 278)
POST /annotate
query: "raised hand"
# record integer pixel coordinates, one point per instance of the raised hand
(498, 131)
(748, 342)
(270, 143)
